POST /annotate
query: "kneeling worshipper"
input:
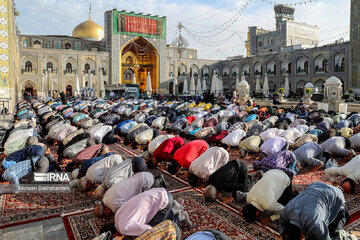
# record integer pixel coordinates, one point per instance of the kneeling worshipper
(23, 163)
(33, 151)
(351, 171)
(121, 192)
(145, 211)
(233, 138)
(273, 145)
(156, 142)
(206, 164)
(178, 126)
(317, 212)
(338, 147)
(100, 132)
(310, 154)
(233, 176)
(284, 161)
(167, 230)
(145, 137)
(306, 138)
(270, 133)
(95, 173)
(90, 152)
(131, 136)
(270, 194)
(185, 155)
(165, 151)
(250, 144)
(120, 172)
(355, 142)
(209, 234)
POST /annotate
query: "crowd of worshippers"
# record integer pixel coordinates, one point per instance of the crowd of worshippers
(195, 139)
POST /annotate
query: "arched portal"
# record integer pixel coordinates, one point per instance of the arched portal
(29, 89)
(144, 58)
(69, 90)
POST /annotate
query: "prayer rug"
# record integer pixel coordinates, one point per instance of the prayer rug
(22, 208)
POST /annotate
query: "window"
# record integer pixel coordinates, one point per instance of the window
(48, 45)
(103, 71)
(68, 68)
(325, 65)
(57, 45)
(185, 54)
(129, 60)
(49, 67)
(28, 66)
(272, 42)
(86, 47)
(25, 43)
(77, 46)
(87, 68)
(67, 46)
(260, 44)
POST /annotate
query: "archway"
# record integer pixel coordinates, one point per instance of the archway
(29, 90)
(144, 58)
(69, 90)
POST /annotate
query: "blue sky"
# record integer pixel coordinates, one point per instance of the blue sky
(59, 17)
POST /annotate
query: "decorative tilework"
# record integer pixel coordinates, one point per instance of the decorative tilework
(4, 45)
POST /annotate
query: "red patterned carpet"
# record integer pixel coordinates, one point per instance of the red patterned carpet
(80, 222)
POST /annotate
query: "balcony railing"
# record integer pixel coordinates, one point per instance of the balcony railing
(26, 71)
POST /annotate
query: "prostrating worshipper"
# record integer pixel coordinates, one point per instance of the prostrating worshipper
(291, 135)
(273, 145)
(144, 138)
(157, 141)
(208, 234)
(31, 152)
(131, 136)
(25, 163)
(318, 212)
(217, 138)
(77, 147)
(146, 210)
(178, 126)
(185, 155)
(355, 142)
(98, 133)
(165, 152)
(271, 193)
(120, 172)
(166, 230)
(233, 176)
(160, 123)
(310, 154)
(122, 191)
(284, 161)
(346, 132)
(206, 164)
(90, 152)
(351, 171)
(270, 133)
(250, 144)
(204, 133)
(233, 138)
(327, 134)
(95, 173)
(306, 138)
(338, 147)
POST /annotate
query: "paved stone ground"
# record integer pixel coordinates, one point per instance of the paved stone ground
(53, 229)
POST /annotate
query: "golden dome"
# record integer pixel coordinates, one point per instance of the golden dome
(89, 30)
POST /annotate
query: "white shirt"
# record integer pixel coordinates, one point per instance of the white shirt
(20, 134)
(267, 191)
(291, 134)
(349, 170)
(156, 142)
(270, 133)
(233, 139)
(100, 132)
(121, 192)
(208, 162)
(96, 172)
(303, 129)
(273, 145)
(144, 136)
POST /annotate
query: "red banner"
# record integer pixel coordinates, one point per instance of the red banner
(140, 25)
